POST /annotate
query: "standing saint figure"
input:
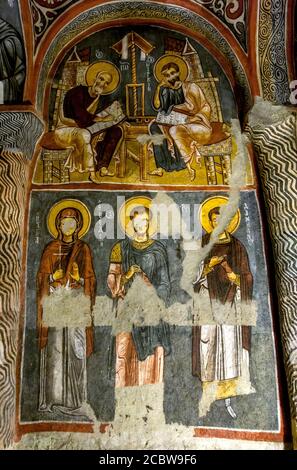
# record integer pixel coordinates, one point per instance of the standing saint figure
(12, 65)
(220, 354)
(82, 110)
(183, 117)
(140, 354)
(66, 266)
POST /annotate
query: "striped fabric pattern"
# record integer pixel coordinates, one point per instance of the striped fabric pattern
(20, 131)
(13, 180)
(276, 150)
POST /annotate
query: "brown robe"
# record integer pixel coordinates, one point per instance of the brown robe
(61, 255)
(221, 289)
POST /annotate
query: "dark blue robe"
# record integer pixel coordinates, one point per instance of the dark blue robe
(153, 261)
(163, 157)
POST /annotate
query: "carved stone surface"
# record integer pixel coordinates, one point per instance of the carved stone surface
(276, 149)
(13, 180)
(20, 132)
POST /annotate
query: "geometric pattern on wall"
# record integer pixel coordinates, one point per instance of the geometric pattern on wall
(44, 13)
(276, 149)
(233, 14)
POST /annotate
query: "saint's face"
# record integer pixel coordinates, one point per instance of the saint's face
(214, 220)
(141, 224)
(102, 80)
(68, 226)
(171, 77)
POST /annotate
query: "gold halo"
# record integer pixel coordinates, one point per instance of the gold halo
(211, 203)
(68, 204)
(127, 208)
(165, 59)
(103, 66)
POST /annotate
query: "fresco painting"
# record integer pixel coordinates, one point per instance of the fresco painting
(155, 108)
(108, 268)
(146, 293)
(119, 280)
(12, 55)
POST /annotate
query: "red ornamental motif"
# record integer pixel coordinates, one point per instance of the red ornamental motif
(51, 4)
(230, 12)
(234, 9)
(44, 12)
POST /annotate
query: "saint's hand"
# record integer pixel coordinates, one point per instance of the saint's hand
(232, 277)
(132, 270)
(120, 294)
(75, 272)
(215, 260)
(227, 267)
(58, 274)
(162, 83)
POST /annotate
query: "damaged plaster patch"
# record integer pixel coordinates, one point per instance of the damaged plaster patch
(237, 181)
(216, 390)
(173, 225)
(264, 113)
(191, 243)
(139, 406)
(64, 307)
(206, 312)
(142, 307)
(139, 424)
(173, 438)
(151, 139)
(103, 312)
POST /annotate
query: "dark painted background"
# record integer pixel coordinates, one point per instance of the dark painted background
(100, 48)
(11, 15)
(182, 390)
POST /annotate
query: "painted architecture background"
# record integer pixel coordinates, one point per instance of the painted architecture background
(144, 295)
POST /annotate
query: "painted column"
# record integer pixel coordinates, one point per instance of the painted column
(273, 19)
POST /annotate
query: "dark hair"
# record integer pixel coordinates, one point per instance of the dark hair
(74, 214)
(215, 210)
(170, 65)
(140, 210)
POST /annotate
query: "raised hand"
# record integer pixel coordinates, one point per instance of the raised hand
(75, 272)
(58, 274)
(215, 260)
(132, 270)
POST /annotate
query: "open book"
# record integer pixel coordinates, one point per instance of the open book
(172, 119)
(114, 110)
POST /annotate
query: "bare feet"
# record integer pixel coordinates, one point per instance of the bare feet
(229, 408)
(105, 172)
(93, 179)
(172, 151)
(192, 173)
(157, 172)
(195, 153)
